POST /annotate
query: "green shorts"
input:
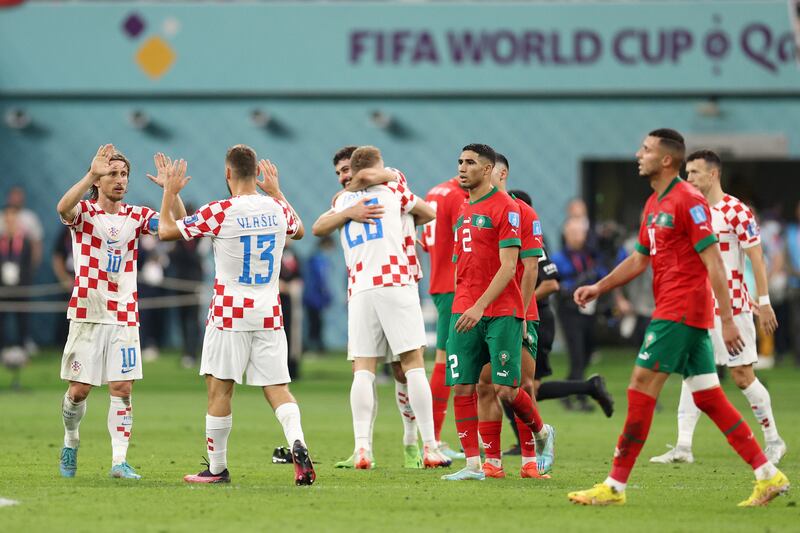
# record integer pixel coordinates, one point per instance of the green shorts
(444, 308)
(495, 340)
(676, 348)
(531, 340)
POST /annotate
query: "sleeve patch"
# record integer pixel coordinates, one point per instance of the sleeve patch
(752, 230)
(189, 220)
(152, 224)
(513, 219)
(698, 214)
(537, 227)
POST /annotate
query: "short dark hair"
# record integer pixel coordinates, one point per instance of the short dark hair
(500, 158)
(522, 195)
(673, 141)
(343, 153)
(483, 150)
(709, 156)
(94, 194)
(242, 160)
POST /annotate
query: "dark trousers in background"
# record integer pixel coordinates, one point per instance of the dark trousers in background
(152, 321)
(315, 327)
(189, 319)
(578, 333)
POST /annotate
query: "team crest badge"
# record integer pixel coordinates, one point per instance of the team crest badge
(480, 221)
(504, 357)
(113, 232)
(76, 368)
(649, 339)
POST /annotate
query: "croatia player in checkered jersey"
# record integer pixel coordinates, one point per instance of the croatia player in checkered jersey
(244, 330)
(364, 211)
(103, 342)
(738, 234)
(383, 306)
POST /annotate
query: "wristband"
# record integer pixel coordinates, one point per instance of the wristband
(763, 300)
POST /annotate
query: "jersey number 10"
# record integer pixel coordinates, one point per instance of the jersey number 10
(267, 242)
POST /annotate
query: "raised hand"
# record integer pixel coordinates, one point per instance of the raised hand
(101, 164)
(269, 184)
(163, 164)
(176, 178)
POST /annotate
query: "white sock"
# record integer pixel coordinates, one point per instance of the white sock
(218, 428)
(765, 471)
(421, 400)
(474, 463)
(526, 460)
(71, 414)
(495, 462)
(759, 399)
(406, 413)
(120, 422)
(362, 401)
(688, 415)
(288, 415)
(374, 413)
(614, 484)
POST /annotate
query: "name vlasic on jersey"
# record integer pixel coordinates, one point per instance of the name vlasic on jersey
(737, 230)
(437, 236)
(105, 248)
(248, 234)
(376, 254)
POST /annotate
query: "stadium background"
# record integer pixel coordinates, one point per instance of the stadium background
(199, 77)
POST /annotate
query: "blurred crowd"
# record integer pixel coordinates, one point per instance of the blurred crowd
(173, 285)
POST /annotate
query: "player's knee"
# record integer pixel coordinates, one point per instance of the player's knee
(485, 390)
(399, 375)
(743, 376)
(121, 389)
(527, 386)
(505, 394)
(78, 392)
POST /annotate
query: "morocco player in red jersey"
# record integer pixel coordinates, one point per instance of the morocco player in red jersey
(447, 198)
(103, 342)
(488, 312)
(677, 239)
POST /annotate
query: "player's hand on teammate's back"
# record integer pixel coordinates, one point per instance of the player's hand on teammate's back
(469, 319)
(163, 164)
(766, 318)
(176, 178)
(269, 184)
(363, 212)
(731, 337)
(584, 295)
(101, 164)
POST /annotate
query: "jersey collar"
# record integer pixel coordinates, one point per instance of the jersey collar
(675, 181)
(485, 196)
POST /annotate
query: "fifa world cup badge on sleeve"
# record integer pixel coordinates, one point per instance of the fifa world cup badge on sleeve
(698, 214)
(513, 219)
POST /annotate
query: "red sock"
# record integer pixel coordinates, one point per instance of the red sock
(527, 412)
(715, 404)
(465, 410)
(634, 434)
(490, 434)
(526, 442)
(441, 395)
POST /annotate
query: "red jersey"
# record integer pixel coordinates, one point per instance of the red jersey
(483, 227)
(437, 235)
(532, 246)
(676, 227)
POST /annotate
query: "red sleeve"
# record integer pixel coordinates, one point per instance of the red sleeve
(643, 245)
(83, 208)
(206, 222)
(531, 230)
(508, 225)
(292, 225)
(695, 216)
(149, 221)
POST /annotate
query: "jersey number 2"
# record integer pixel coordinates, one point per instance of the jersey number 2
(267, 242)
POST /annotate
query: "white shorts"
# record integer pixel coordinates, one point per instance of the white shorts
(99, 353)
(260, 355)
(386, 320)
(747, 329)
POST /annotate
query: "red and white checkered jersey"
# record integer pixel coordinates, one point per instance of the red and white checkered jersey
(378, 255)
(737, 230)
(105, 248)
(409, 234)
(248, 234)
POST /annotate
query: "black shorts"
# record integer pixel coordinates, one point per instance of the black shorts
(547, 332)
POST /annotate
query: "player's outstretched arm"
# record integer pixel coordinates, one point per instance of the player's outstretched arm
(330, 221)
(508, 266)
(631, 267)
(271, 187)
(370, 176)
(175, 180)
(163, 163)
(423, 212)
(712, 259)
(766, 315)
(101, 165)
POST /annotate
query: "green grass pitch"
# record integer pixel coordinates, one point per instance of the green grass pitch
(168, 442)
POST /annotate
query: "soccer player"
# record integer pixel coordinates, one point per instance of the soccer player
(437, 239)
(103, 342)
(244, 330)
(364, 211)
(488, 311)
(677, 240)
(738, 234)
(383, 306)
(490, 413)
